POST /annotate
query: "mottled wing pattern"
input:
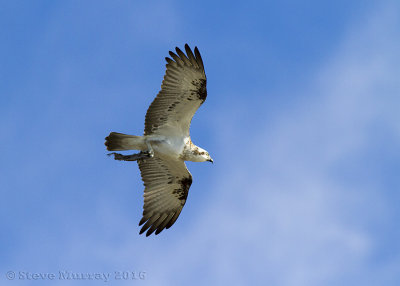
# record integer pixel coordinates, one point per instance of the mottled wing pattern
(183, 90)
(167, 184)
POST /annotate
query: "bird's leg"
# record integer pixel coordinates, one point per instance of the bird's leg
(133, 157)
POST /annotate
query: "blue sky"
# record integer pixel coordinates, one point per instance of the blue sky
(302, 120)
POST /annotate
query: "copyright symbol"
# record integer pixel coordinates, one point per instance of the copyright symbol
(10, 275)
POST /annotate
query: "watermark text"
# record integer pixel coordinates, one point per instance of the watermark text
(74, 276)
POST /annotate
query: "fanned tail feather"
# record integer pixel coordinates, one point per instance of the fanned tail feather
(119, 141)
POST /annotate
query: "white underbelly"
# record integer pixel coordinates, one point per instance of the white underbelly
(171, 147)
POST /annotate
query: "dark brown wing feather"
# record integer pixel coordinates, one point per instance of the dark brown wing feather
(183, 90)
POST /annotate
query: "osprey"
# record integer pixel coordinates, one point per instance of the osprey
(166, 143)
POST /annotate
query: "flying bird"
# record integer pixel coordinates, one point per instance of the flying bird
(166, 143)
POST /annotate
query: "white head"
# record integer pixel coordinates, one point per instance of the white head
(200, 155)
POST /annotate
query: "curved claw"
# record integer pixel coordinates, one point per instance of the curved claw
(117, 156)
(148, 154)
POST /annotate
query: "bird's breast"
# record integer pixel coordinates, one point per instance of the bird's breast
(172, 147)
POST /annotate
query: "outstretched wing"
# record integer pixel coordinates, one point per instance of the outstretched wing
(183, 90)
(167, 184)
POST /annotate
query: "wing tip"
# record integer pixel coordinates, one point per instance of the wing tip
(190, 58)
(178, 50)
(160, 224)
(172, 54)
(142, 221)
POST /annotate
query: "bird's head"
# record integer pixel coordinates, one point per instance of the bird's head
(203, 156)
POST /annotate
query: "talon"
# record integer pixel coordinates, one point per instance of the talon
(148, 154)
(117, 156)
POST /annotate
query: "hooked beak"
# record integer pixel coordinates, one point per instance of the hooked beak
(211, 160)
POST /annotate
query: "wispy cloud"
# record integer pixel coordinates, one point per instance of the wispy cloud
(303, 203)
(300, 207)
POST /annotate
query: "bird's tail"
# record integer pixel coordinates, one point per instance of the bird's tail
(118, 141)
